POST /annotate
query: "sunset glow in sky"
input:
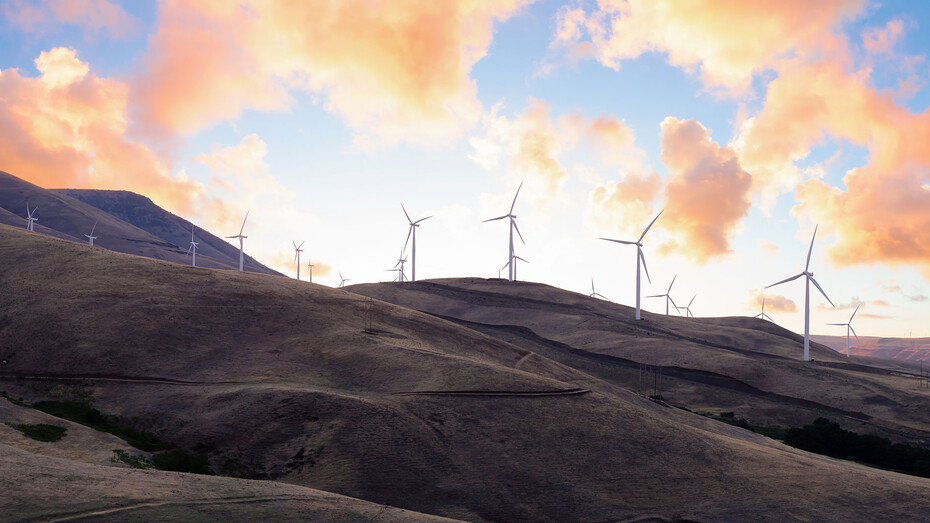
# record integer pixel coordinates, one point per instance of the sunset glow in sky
(748, 121)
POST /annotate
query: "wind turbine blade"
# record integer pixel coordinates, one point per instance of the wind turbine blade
(94, 228)
(838, 324)
(230, 236)
(514, 222)
(243, 221)
(619, 241)
(821, 290)
(405, 213)
(769, 317)
(692, 301)
(671, 300)
(656, 296)
(498, 218)
(521, 259)
(650, 225)
(670, 285)
(592, 283)
(854, 313)
(854, 332)
(341, 278)
(809, 251)
(515, 198)
(409, 232)
(786, 280)
(422, 219)
(643, 259)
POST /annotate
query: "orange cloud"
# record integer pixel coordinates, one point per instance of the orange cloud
(880, 303)
(67, 128)
(882, 40)
(394, 70)
(706, 194)
(92, 15)
(773, 302)
(722, 40)
(606, 133)
(768, 248)
(627, 205)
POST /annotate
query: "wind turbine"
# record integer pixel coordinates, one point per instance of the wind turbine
(192, 250)
(30, 219)
(343, 281)
(595, 294)
(849, 328)
(91, 237)
(809, 277)
(413, 250)
(310, 266)
(687, 307)
(667, 297)
(762, 314)
(513, 225)
(241, 237)
(513, 264)
(297, 251)
(639, 257)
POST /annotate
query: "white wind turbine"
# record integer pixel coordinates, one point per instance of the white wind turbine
(91, 237)
(762, 314)
(687, 307)
(594, 294)
(849, 328)
(342, 282)
(513, 263)
(513, 225)
(241, 237)
(667, 296)
(192, 250)
(310, 266)
(401, 277)
(413, 250)
(639, 257)
(30, 219)
(297, 251)
(809, 277)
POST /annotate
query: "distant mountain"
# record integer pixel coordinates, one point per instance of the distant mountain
(125, 222)
(903, 349)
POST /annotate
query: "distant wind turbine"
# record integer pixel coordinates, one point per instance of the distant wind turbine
(399, 268)
(667, 296)
(30, 219)
(192, 250)
(241, 237)
(595, 294)
(343, 281)
(513, 264)
(413, 249)
(639, 257)
(310, 266)
(687, 308)
(849, 328)
(513, 225)
(762, 314)
(91, 237)
(297, 251)
(809, 277)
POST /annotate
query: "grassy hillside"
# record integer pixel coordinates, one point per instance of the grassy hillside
(284, 380)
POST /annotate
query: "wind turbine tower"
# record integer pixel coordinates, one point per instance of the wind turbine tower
(667, 296)
(413, 249)
(513, 226)
(91, 237)
(762, 314)
(849, 328)
(297, 251)
(639, 257)
(192, 250)
(241, 237)
(30, 219)
(310, 267)
(808, 278)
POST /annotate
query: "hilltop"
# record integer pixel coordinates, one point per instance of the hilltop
(287, 380)
(125, 222)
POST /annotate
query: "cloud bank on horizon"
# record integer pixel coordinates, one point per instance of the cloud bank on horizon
(406, 75)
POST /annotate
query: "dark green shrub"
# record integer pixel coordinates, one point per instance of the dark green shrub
(41, 431)
(179, 460)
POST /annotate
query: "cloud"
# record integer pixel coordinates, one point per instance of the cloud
(880, 303)
(395, 71)
(92, 15)
(706, 194)
(625, 205)
(882, 40)
(768, 248)
(722, 41)
(67, 128)
(607, 134)
(773, 302)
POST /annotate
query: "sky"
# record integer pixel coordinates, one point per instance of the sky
(748, 122)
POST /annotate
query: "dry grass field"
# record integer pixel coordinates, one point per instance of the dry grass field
(500, 415)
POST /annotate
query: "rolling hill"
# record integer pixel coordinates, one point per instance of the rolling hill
(913, 350)
(125, 222)
(327, 389)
